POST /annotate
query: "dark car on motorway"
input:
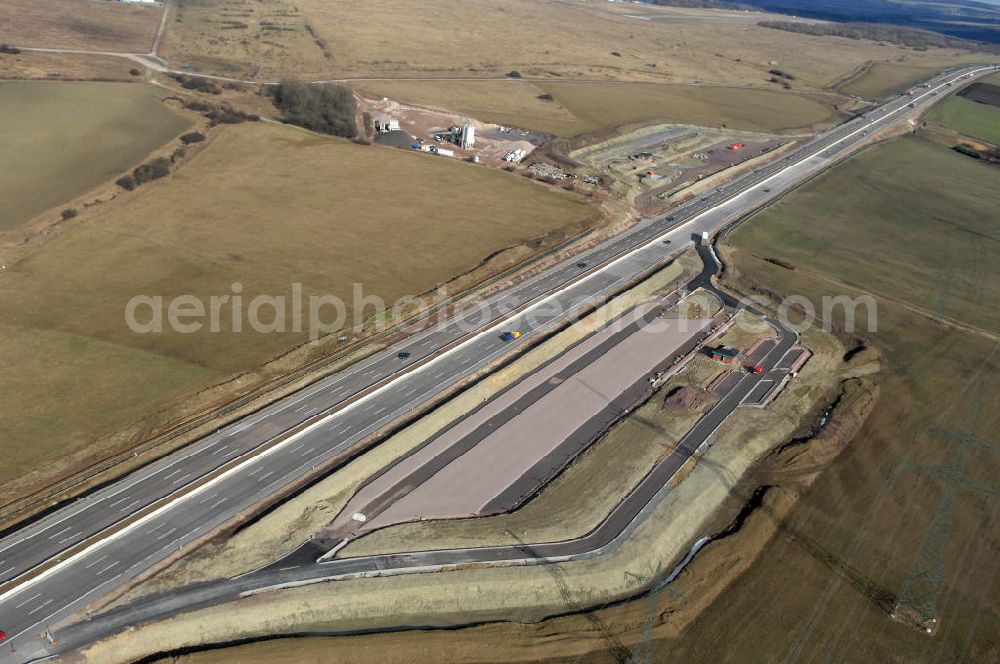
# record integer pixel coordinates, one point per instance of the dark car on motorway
(403, 355)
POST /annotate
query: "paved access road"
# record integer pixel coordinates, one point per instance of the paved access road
(302, 567)
(329, 417)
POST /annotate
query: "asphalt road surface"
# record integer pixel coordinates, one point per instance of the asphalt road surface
(505, 450)
(303, 567)
(328, 418)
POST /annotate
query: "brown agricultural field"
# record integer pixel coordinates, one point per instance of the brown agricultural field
(80, 24)
(579, 108)
(870, 527)
(602, 105)
(840, 558)
(37, 65)
(486, 39)
(264, 205)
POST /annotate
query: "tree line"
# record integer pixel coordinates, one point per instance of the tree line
(912, 37)
(328, 109)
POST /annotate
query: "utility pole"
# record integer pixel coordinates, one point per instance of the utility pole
(918, 599)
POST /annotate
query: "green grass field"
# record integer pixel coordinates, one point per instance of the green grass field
(969, 118)
(887, 78)
(263, 205)
(946, 233)
(917, 224)
(63, 139)
(601, 105)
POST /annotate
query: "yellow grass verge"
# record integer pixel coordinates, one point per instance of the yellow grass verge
(266, 206)
(285, 528)
(530, 593)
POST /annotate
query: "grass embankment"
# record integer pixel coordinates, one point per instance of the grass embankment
(883, 79)
(523, 594)
(287, 527)
(831, 575)
(266, 206)
(969, 118)
(63, 139)
(97, 26)
(916, 225)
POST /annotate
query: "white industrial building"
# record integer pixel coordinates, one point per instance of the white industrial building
(468, 139)
(385, 124)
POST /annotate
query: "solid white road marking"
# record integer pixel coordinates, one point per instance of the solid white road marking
(798, 166)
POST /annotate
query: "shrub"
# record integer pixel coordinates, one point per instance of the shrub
(152, 170)
(513, 73)
(616, 54)
(546, 97)
(328, 109)
(199, 106)
(127, 182)
(134, 72)
(229, 115)
(967, 150)
(192, 137)
(780, 73)
(7, 48)
(197, 83)
(69, 213)
(177, 155)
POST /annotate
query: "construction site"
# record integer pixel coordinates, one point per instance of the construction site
(656, 166)
(446, 134)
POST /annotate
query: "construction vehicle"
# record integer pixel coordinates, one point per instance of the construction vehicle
(510, 337)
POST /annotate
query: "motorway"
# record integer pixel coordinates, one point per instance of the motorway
(305, 566)
(194, 490)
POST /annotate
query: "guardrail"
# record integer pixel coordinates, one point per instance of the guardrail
(210, 413)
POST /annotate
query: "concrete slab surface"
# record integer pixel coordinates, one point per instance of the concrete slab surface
(504, 448)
